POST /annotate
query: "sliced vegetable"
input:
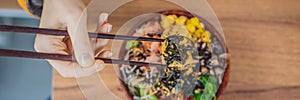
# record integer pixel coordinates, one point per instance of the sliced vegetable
(132, 44)
(198, 96)
(210, 84)
(152, 98)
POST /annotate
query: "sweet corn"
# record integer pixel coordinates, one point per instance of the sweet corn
(194, 21)
(206, 37)
(174, 16)
(168, 21)
(197, 91)
(171, 18)
(200, 26)
(198, 33)
(191, 28)
(181, 20)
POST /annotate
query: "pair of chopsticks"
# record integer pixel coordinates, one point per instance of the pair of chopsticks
(44, 31)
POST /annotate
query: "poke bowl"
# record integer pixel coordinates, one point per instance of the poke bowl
(205, 79)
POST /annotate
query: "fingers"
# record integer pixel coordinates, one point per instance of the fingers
(81, 50)
(106, 28)
(103, 27)
(77, 28)
(54, 44)
(50, 44)
(103, 18)
(67, 15)
(99, 43)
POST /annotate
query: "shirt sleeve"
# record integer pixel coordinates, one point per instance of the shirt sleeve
(32, 7)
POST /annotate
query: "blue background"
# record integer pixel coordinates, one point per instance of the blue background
(22, 79)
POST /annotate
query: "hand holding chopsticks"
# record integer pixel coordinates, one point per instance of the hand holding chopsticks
(31, 30)
(64, 42)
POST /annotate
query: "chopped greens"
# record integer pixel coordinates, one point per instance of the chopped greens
(132, 44)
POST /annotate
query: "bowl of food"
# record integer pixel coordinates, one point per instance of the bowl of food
(197, 69)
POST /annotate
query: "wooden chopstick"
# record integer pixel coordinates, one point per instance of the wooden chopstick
(36, 55)
(45, 31)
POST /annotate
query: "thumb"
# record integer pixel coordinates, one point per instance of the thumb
(80, 40)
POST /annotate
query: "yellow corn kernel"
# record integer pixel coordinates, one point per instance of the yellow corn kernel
(171, 18)
(198, 33)
(194, 21)
(174, 16)
(191, 28)
(167, 21)
(181, 20)
(200, 26)
(206, 40)
(197, 91)
(206, 37)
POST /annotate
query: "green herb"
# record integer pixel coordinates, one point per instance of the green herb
(198, 96)
(132, 90)
(142, 93)
(210, 84)
(132, 44)
(152, 98)
(210, 88)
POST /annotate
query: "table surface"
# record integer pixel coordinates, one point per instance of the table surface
(263, 39)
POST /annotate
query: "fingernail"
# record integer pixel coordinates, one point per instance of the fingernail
(103, 17)
(86, 59)
(109, 55)
(109, 28)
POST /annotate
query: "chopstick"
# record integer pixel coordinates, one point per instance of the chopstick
(36, 55)
(45, 31)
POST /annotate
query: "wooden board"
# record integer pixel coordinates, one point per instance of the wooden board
(263, 38)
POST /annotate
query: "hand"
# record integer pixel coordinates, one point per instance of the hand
(66, 14)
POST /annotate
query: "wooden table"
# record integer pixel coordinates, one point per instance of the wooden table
(263, 37)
